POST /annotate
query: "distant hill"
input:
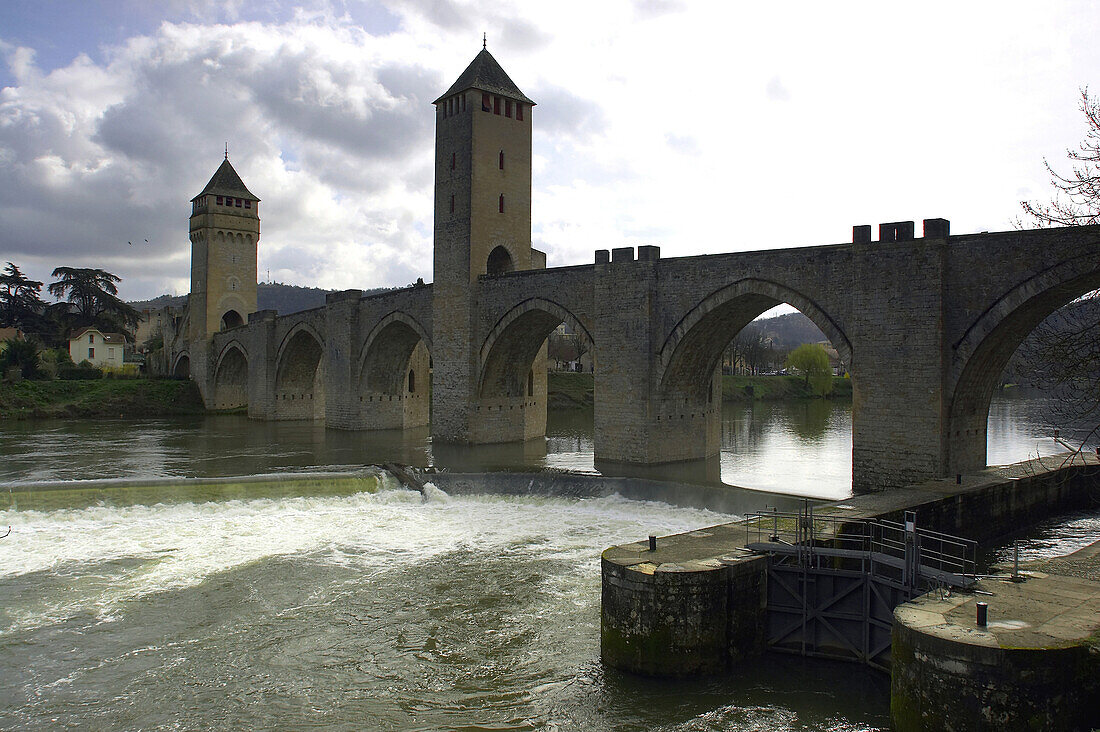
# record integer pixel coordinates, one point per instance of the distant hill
(286, 299)
(790, 330)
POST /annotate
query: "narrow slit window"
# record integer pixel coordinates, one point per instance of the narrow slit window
(500, 162)
(500, 204)
(452, 203)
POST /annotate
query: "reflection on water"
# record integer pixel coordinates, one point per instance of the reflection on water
(800, 447)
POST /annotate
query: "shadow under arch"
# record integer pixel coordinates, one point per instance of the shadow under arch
(181, 368)
(514, 341)
(394, 374)
(231, 377)
(693, 348)
(299, 384)
(980, 356)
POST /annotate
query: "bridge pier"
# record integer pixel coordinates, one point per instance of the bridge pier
(261, 364)
(341, 337)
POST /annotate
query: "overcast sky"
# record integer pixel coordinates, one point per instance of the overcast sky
(698, 126)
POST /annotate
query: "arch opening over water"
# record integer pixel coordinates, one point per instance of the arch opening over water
(395, 375)
(730, 335)
(299, 376)
(512, 379)
(1034, 321)
(231, 379)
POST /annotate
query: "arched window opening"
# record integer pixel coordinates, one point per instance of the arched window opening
(412, 381)
(231, 319)
(500, 262)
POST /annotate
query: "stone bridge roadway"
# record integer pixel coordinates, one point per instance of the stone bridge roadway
(927, 325)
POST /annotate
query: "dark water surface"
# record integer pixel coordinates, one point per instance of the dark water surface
(380, 610)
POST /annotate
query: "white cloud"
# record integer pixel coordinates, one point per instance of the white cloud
(656, 124)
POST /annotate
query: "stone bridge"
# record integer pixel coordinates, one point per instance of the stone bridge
(926, 324)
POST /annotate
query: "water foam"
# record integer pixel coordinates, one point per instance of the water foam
(122, 553)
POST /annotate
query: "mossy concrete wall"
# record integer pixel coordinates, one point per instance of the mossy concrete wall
(954, 683)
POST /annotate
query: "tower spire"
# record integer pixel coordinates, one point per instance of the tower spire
(484, 42)
(227, 150)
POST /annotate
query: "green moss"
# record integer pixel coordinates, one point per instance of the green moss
(106, 398)
(198, 490)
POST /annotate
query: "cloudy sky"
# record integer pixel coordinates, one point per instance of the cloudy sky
(699, 126)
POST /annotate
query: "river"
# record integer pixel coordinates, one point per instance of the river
(379, 610)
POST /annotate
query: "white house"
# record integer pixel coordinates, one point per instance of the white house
(99, 348)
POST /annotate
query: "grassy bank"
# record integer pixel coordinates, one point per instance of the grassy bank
(99, 399)
(573, 390)
(774, 388)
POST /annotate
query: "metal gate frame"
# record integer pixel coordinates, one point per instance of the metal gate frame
(833, 586)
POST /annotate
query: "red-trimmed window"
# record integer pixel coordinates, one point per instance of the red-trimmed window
(485, 102)
(519, 111)
(496, 105)
(507, 107)
(500, 204)
(500, 162)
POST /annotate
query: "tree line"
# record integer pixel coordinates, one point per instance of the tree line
(86, 298)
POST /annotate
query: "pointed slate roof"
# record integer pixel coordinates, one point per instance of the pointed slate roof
(485, 74)
(226, 182)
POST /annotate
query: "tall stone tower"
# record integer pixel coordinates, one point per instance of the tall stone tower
(225, 229)
(482, 226)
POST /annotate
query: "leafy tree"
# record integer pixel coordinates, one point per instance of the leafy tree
(22, 355)
(812, 362)
(20, 304)
(93, 293)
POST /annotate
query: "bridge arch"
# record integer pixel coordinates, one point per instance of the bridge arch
(981, 354)
(231, 377)
(513, 343)
(181, 366)
(693, 348)
(299, 375)
(394, 373)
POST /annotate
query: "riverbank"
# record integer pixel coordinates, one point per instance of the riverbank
(110, 398)
(99, 399)
(569, 390)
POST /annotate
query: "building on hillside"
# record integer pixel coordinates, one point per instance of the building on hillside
(152, 323)
(104, 350)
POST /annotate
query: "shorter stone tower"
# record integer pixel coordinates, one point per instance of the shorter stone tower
(225, 230)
